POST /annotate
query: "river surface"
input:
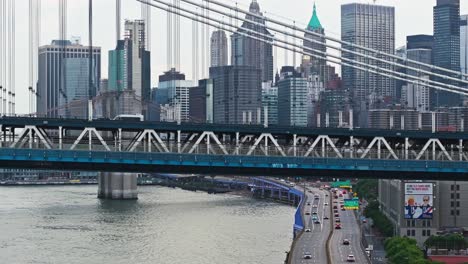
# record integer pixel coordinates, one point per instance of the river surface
(68, 224)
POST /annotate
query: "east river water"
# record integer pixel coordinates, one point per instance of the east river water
(68, 224)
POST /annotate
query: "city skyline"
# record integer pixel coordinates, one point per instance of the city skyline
(104, 38)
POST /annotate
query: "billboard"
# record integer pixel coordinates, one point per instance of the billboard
(419, 200)
(351, 204)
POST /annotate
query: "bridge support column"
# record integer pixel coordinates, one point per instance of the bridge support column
(117, 186)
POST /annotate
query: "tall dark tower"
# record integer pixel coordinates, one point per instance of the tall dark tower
(250, 52)
(446, 50)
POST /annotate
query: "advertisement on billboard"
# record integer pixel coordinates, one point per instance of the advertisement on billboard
(419, 200)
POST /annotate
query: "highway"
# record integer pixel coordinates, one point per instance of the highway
(349, 230)
(313, 242)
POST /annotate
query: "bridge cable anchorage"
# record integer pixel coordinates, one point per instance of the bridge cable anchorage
(342, 50)
(328, 57)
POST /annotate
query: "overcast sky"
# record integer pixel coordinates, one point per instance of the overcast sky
(412, 17)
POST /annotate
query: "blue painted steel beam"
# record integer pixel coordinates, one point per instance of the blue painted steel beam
(230, 165)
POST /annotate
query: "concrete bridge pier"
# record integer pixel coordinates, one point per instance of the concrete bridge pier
(117, 186)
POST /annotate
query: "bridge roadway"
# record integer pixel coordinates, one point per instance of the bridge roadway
(349, 230)
(313, 242)
(134, 146)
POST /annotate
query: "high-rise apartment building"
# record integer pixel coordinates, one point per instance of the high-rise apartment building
(219, 49)
(446, 52)
(417, 96)
(237, 94)
(292, 98)
(250, 52)
(64, 77)
(371, 26)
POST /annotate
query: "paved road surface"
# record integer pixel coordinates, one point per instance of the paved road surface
(350, 230)
(314, 242)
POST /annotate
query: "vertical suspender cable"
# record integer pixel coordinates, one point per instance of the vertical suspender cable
(169, 40)
(294, 42)
(203, 45)
(2, 47)
(194, 50)
(31, 58)
(13, 54)
(207, 46)
(90, 50)
(286, 59)
(36, 48)
(118, 14)
(7, 91)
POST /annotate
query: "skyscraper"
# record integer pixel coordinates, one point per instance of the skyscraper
(417, 96)
(219, 49)
(372, 26)
(129, 68)
(237, 94)
(312, 65)
(249, 52)
(292, 98)
(464, 43)
(446, 52)
(173, 96)
(138, 57)
(118, 67)
(64, 77)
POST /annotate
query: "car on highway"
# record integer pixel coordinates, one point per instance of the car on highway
(307, 255)
(351, 258)
(325, 203)
(336, 215)
(335, 207)
(345, 242)
(325, 218)
(337, 226)
(317, 221)
(326, 195)
(307, 213)
(338, 220)
(308, 203)
(307, 230)
(343, 209)
(316, 197)
(314, 206)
